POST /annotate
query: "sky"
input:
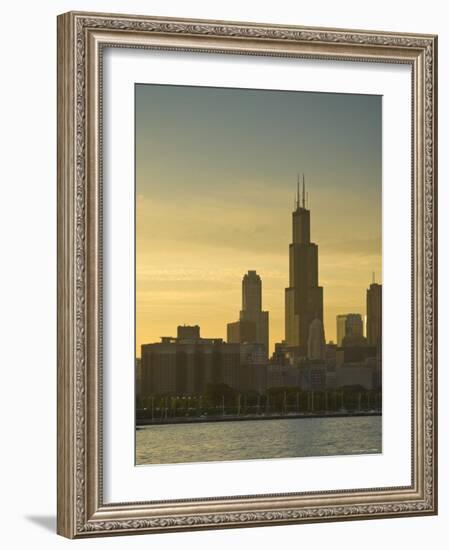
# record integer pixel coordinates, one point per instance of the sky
(216, 172)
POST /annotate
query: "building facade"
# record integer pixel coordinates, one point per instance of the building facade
(186, 365)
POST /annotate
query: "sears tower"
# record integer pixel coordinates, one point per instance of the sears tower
(303, 297)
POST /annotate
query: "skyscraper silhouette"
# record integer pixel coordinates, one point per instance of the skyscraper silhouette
(374, 315)
(303, 297)
(251, 292)
(252, 326)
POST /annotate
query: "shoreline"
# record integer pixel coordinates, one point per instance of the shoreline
(142, 422)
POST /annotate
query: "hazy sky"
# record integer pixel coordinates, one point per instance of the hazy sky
(216, 176)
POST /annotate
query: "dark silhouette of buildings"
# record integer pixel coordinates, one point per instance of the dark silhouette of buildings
(252, 327)
(189, 365)
(374, 315)
(350, 330)
(355, 354)
(304, 297)
(186, 364)
(280, 355)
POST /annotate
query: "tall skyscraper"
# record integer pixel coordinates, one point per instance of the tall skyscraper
(374, 315)
(252, 327)
(251, 293)
(349, 326)
(303, 297)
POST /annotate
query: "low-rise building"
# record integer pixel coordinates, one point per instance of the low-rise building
(186, 364)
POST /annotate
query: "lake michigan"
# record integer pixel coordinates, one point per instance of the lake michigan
(245, 440)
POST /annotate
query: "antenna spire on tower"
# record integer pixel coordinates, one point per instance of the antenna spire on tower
(297, 192)
(374, 277)
(303, 192)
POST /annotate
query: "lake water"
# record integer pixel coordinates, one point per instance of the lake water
(244, 440)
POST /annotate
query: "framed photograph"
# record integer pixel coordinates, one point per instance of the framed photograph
(246, 274)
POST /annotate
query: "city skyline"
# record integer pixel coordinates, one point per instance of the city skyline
(198, 229)
(350, 323)
(253, 322)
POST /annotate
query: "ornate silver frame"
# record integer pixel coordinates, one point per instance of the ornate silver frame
(81, 38)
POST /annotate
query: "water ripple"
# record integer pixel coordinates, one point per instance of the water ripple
(286, 438)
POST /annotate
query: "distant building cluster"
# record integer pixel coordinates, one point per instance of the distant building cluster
(188, 363)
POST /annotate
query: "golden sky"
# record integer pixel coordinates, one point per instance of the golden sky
(215, 179)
